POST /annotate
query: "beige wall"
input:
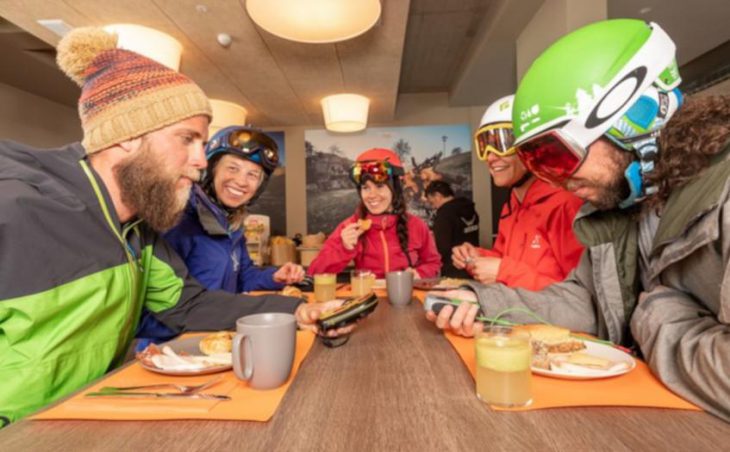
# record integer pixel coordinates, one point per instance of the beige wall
(413, 110)
(36, 120)
(554, 19)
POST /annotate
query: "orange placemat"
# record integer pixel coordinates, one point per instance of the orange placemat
(246, 405)
(638, 388)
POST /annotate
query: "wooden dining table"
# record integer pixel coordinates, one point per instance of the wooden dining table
(397, 385)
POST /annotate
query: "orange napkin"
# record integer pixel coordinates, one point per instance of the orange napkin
(246, 405)
(638, 388)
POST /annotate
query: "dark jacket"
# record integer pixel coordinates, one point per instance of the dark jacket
(73, 280)
(455, 222)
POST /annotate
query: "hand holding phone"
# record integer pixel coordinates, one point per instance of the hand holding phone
(460, 321)
(436, 302)
(352, 310)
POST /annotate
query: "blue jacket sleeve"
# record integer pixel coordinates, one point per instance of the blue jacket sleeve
(180, 240)
(251, 277)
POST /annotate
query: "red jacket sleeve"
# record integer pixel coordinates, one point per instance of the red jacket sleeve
(429, 259)
(565, 247)
(333, 257)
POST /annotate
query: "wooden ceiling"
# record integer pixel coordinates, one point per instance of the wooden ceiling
(462, 47)
(279, 82)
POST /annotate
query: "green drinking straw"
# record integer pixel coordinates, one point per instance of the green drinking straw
(497, 320)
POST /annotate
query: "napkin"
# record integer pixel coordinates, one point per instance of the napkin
(169, 360)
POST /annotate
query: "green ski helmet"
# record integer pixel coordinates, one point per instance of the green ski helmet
(615, 79)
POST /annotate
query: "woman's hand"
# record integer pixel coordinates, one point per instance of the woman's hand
(349, 236)
(289, 273)
(484, 269)
(463, 255)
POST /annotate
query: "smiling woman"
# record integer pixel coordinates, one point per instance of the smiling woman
(236, 180)
(393, 239)
(535, 245)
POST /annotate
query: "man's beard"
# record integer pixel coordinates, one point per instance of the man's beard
(150, 190)
(610, 194)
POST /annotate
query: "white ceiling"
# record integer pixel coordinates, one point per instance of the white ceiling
(463, 47)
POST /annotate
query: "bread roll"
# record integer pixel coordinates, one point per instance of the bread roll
(291, 291)
(220, 342)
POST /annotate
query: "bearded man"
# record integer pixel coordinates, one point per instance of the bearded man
(595, 114)
(81, 255)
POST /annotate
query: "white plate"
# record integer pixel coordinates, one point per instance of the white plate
(187, 345)
(595, 349)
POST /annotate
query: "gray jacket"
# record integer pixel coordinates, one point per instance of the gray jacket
(682, 320)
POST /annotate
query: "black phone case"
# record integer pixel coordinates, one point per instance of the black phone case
(360, 307)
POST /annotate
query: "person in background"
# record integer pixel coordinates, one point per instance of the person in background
(456, 222)
(600, 113)
(81, 254)
(380, 236)
(210, 236)
(535, 244)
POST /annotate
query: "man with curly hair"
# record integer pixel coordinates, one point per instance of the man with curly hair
(588, 116)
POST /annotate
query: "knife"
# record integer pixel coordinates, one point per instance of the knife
(157, 395)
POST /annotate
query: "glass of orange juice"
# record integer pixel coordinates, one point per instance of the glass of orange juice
(361, 282)
(503, 358)
(325, 285)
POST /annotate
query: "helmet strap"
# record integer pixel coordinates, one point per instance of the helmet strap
(647, 151)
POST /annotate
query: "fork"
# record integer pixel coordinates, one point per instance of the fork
(183, 389)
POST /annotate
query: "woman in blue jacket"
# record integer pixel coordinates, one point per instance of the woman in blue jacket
(209, 237)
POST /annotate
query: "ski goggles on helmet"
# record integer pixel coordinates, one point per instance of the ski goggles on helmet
(552, 156)
(496, 138)
(249, 144)
(379, 171)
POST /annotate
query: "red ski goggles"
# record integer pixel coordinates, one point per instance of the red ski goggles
(379, 171)
(496, 138)
(552, 156)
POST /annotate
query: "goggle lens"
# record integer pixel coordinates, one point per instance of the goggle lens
(550, 158)
(496, 138)
(258, 146)
(377, 171)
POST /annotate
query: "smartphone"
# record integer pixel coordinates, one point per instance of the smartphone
(435, 303)
(349, 312)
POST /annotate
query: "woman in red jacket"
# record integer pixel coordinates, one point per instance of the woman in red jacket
(381, 236)
(535, 244)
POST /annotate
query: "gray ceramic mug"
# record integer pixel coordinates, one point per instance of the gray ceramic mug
(263, 349)
(400, 287)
